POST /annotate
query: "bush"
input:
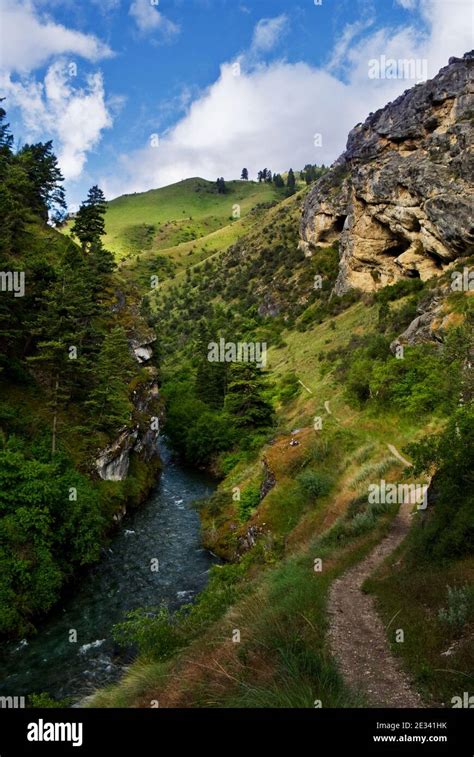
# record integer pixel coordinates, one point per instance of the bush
(154, 631)
(314, 484)
(460, 607)
(401, 288)
(289, 387)
(446, 530)
(361, 523)
(249, 500)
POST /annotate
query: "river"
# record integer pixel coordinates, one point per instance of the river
(166, 528)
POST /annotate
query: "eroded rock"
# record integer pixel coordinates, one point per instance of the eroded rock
(400, 199)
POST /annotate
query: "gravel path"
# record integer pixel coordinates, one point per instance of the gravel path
(357, 636)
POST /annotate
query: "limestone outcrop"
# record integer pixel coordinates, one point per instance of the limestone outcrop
(400, 199)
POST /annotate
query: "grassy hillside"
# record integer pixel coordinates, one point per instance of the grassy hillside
(184, 212)
(342, 405)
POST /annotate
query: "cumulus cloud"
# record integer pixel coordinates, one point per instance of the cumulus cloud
(262, 117)
(149, 19)
(271, 114)
(29, 40)
(73, 116)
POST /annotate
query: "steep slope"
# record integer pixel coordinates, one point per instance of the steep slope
(352, 413)
(400, 198)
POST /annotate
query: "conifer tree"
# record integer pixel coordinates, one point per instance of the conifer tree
(244, 399)
(89, 224)
(109, 400)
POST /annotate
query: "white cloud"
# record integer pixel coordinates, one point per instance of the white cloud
(344, 43)
(73, 116)
(260, 118)
(269, 115)
(28, 40)
(268, 32)
(407, 4)
(107, 5)
(149, 19)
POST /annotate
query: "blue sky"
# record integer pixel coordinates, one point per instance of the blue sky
(139, 93)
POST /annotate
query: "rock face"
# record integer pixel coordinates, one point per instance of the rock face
(400, 199)
(112, 463)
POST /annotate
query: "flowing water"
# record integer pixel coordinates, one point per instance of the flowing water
(165, 528)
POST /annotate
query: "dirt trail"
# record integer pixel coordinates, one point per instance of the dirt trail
(357, 636)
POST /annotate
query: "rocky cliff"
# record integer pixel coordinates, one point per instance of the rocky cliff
(400, 199)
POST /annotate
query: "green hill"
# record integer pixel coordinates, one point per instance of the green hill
(184, 212)
(303, 491)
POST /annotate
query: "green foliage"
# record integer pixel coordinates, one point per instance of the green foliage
(65, 370)
(44, 177)
(460, 607)
(50, 526)
(446, 530)
(43, 701)
(426, 379)
(401, 288)
(153, 631)
(109, 401)
(249, 500)
(289, 387)
(314, 483)
(208, 435)
(245, 399)
(89, 224)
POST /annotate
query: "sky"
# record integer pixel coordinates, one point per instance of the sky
(138, 94)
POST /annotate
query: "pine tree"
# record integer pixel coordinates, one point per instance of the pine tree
(89, 225)
(211, 378)
(221, 186)
(245, 174)
(109, 400)
(278, 180)
(291, 181)
(41, 166)
(244, 398)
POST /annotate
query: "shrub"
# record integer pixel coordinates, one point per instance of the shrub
(361, 523)
(460, 607)
(289, 387)
(154, 631)
(446, 530)
(314, 483)
(249, 500)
